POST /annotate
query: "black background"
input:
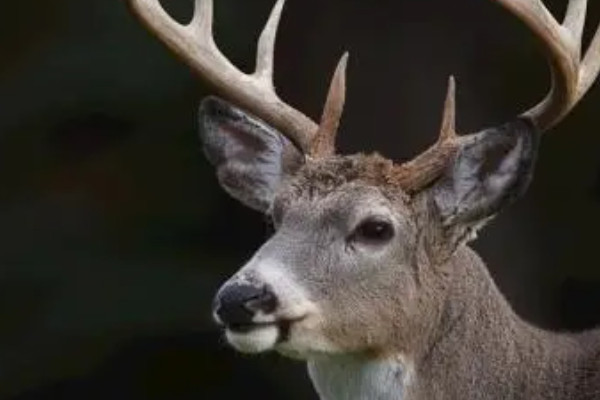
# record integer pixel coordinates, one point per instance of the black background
(115, 234)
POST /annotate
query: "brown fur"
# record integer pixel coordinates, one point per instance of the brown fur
(324, 175)
(480, 349)
(445, 314)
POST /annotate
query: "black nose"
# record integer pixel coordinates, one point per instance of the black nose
(237, 303)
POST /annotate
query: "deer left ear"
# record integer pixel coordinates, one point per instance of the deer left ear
(491, 169)
(250, 157)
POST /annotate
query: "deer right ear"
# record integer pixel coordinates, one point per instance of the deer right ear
(491, 169)
(250, 157)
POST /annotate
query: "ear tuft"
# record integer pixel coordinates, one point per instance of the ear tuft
(251, 158)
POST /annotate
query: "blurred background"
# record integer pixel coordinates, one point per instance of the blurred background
(115, 234)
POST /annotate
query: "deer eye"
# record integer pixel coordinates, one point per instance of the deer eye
(373, 231)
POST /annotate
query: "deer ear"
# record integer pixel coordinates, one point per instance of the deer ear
(250, 157)
(491, 169)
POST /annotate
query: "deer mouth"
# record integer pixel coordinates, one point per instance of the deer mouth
(248, 327)
(282, 324)
(260, 336)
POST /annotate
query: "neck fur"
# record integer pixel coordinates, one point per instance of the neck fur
(353, 377)
(479, 348)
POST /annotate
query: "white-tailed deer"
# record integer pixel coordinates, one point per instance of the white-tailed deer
(368, 276)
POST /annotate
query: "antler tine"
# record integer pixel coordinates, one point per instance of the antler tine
(324, 142)
(590, 67)
(571, 77)
(426, 167)
(202, 21)
(266, 45)
(255, 93)
(448, 129)
(575, 20)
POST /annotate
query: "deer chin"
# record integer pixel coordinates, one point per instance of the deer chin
(255, 339)
(304, 339)
(298, 338)
(259, 337)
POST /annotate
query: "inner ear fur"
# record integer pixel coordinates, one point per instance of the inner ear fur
(251, 158)
(490, 170)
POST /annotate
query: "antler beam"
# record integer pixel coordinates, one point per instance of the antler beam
(572, 77)
(572, 74)
(255, 93)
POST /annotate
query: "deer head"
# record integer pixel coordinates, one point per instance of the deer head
(363, 247)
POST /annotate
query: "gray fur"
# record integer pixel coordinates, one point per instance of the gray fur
(251, 158)
(418, 317)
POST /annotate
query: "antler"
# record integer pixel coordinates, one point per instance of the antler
(572, 77)
(427, 166)
(255, 93)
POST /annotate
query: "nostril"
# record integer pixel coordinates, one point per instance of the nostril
(266, 302)
(233, 314)
(236, 304)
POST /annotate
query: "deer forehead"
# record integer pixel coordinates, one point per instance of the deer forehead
(342, 182)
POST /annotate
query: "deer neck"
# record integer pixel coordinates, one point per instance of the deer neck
(481, 349)
(354, 377)
(478, 348)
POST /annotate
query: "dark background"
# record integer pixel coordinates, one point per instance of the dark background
(115, 234)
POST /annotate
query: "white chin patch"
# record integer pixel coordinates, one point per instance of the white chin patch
(257, 340)
(305, 341)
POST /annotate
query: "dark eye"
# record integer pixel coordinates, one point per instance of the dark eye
(373, 231)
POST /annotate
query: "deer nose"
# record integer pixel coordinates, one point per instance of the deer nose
(236, 304)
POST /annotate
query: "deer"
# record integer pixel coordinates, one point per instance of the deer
(368, 276)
